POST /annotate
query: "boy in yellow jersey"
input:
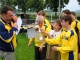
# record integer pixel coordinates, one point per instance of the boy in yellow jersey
(75, 23)
(67, 39)
(46, 22)
(65, 12)
(76, 26)
(53, 55)
(39, 39)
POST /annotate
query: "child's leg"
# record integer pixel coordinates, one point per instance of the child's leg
(37, 53)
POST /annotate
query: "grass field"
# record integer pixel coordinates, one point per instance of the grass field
(23, 52)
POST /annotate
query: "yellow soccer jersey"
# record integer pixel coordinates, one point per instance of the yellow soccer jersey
(75, 24)
(46, 22)
(37, 41)
(68, 40)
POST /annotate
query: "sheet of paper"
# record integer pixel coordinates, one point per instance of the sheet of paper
(31, 33)
(19, 22)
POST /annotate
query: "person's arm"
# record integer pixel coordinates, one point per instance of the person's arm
(6, 35)
(45, 33)
(52, 41)
(30, 41)
(42, 45)
(71, 46)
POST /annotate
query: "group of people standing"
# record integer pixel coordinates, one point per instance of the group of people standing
(59, 43)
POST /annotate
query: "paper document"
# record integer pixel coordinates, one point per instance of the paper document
(31, 33)
(19, 22)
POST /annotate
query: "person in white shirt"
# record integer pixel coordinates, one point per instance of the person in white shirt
(53, 55)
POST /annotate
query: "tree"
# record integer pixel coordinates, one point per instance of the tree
(63, 3)
(7, 3)
(35, 5)
(22, 4)
(54, 4)
(78, 2)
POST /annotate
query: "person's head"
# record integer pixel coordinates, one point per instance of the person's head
(73, 15)
(57, 25)
(42, 12)
(65, 21)
(52, 25)
(65, 12)
(40, 20)
(35, 14)
(7, 13)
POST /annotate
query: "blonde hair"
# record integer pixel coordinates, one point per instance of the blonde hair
(39, 19)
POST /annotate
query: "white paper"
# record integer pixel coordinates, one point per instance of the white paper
(31, 33)
(19, 22)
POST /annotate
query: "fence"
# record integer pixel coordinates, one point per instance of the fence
(26, 19)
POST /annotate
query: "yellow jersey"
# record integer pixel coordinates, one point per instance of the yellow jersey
(46, 22)
(68, 41)
(76, 26)
(38, 42)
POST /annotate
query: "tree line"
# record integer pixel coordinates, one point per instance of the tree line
(35, 5)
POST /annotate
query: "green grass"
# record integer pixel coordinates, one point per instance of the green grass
(23, 52)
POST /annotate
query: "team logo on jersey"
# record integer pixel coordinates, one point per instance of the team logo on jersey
(65, 37)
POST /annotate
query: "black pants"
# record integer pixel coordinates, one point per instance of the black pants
(40, 55)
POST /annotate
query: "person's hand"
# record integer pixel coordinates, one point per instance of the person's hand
(42, 30)
(41, 48)
(15, 18)
(29, 44)
(54, 48)
(15, 25)
(37, 29)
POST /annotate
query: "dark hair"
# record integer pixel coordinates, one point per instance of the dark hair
(67, 18)
(42, 12)
(5, 9)
(66, 12)
(58, 21)
(73, 13)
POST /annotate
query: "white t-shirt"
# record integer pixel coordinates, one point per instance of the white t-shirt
(54, 33)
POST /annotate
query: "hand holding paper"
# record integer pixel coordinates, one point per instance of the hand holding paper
(19, 22)
(31, 32)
